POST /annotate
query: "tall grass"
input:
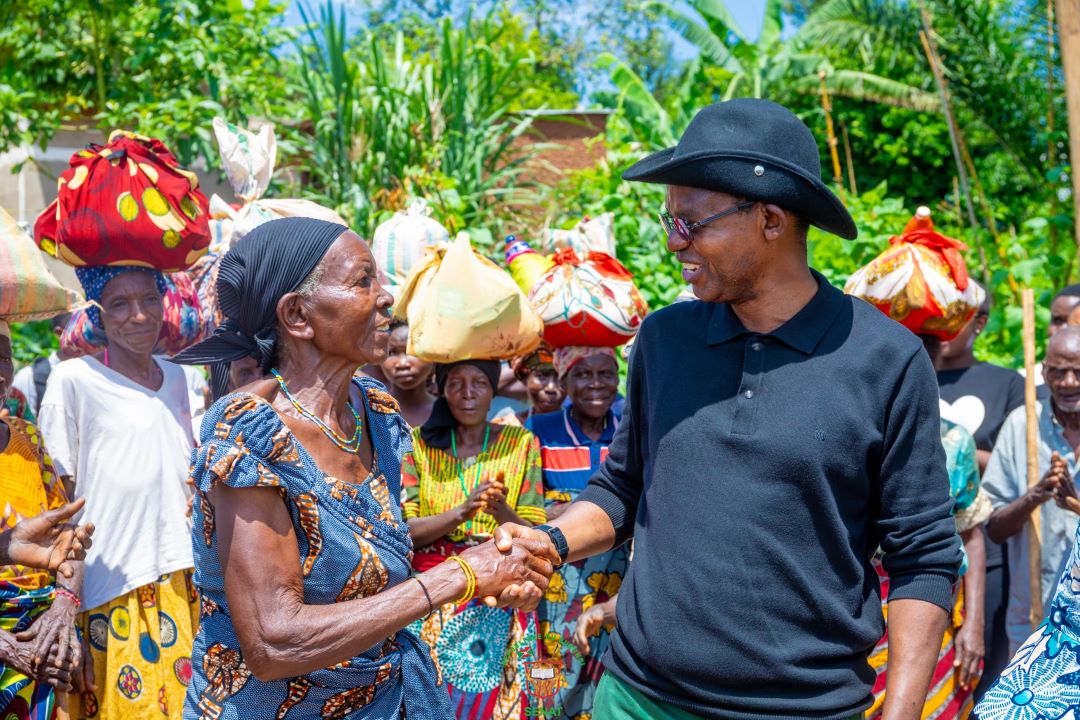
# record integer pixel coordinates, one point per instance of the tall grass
(386, 126)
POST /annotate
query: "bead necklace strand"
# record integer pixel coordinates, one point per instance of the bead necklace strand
(350, 445)
(461, 466)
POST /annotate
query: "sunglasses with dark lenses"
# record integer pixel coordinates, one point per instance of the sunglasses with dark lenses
(685, 230)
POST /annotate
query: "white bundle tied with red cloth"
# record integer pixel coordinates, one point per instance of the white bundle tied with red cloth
(921, 281)
(591, 302)
(590, 235)
(248, 159)
(400, 243)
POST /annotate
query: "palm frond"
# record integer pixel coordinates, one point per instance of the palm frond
(711, 45)
(718, 17)
(872, 88)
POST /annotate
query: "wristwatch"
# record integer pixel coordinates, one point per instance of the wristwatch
(557, 539)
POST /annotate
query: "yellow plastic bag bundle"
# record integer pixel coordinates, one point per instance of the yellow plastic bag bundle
(462, 306)
(28, 291)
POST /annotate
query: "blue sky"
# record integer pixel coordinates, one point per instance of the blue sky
(747, 13)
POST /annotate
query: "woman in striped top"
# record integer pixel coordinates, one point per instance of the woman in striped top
(464, 478)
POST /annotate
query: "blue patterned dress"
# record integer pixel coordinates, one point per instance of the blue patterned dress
(352, 543)
(1042, 682)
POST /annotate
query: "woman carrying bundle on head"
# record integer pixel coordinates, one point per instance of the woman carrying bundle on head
(118, 426)
(464, 478)
(536, 371)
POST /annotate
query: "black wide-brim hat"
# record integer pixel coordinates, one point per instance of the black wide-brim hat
(754, 149)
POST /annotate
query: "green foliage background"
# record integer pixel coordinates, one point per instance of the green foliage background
(422, 98)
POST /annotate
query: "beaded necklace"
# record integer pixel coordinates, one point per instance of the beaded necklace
(351, 445)
(465, 464)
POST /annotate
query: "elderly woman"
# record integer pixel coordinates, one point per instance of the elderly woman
(39, 650)
(301, 552)
(573, 444)
(118, 426)
(464, 478)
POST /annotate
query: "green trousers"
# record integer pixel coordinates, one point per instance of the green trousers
(615, 700)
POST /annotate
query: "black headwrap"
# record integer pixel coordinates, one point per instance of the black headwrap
(436, 431)
(270, 261)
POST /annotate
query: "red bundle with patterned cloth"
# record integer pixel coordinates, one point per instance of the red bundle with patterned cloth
(591, 302)
(921, 281)
(126, 203)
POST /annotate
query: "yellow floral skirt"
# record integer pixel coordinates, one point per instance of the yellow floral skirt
(141, 647)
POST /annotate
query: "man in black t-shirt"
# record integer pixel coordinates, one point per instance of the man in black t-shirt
(980, 396)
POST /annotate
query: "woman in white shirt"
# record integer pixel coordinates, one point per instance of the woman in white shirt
(118, 425)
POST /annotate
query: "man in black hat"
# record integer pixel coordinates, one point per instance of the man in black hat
(777, 434)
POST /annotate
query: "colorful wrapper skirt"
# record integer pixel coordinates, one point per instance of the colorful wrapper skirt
(946, 700)
(483, 654)
(573, 589)
(141, 647)
(21, 698)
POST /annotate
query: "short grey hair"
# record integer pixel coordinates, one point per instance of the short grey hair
(311, 283)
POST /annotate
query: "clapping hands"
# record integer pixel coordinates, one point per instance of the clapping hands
(489, 496)
(1058, 484)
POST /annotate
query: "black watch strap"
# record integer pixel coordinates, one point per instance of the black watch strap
(558, 540)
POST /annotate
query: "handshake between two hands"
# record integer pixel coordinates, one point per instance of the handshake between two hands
(513, 568)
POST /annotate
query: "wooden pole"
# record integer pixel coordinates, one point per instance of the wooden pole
(827, 107)
(1034, 527)
(1068, 15)
(850, 162)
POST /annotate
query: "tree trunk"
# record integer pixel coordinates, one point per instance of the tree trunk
(1068, 14)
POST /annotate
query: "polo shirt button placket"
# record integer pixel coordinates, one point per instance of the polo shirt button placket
(753, 368)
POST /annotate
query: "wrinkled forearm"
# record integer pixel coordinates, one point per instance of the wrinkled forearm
(75, 582)
(291, 638)
(12, 653)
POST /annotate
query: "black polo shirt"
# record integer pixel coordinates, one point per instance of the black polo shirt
(757, 475)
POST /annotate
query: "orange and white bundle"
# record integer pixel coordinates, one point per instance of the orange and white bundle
(921, 281)
(591, 302)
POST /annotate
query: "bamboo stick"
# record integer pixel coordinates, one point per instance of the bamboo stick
(1068, 16)
(959, 203)
(827, 107)
(1034, 527)
(1051, 148)
(956, 140)
(950, 122)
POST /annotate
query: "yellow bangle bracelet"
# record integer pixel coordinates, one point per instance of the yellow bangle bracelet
(470, 579)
